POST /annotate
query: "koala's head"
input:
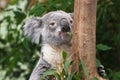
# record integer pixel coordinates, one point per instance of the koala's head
(52, 28)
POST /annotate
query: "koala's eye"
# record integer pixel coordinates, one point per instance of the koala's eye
(71, 21)
(52, 24)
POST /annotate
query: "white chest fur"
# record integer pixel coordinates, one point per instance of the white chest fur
(53, 55)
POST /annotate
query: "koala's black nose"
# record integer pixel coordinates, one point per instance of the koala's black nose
(65, 25)
(66, 29)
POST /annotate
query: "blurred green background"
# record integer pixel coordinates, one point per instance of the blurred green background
(18, 55)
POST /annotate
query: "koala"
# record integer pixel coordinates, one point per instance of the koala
(52, 29)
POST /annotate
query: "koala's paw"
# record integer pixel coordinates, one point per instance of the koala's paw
(101, 71)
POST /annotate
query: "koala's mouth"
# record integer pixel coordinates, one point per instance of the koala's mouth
(65, 35)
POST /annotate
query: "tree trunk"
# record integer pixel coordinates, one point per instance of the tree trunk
(84, 36)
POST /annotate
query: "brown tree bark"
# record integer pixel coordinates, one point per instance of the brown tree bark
(84, 36)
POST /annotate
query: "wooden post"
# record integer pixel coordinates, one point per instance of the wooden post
(84, 36)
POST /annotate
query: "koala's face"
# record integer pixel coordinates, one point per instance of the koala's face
(56, 26)
(53, 28)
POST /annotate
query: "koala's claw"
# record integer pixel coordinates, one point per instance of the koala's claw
(101, 71)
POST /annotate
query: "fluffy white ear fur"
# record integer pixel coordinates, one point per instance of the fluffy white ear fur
(33, 28)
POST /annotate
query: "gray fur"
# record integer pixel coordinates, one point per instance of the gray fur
(37, 26)
(52, 28)
(40, 68)
(32, 29)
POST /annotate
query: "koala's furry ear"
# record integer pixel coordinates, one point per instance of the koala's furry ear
(72, 15)
(33, 29)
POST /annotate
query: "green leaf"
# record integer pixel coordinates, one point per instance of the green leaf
(37, 10)
(26, 44)
(19, 16)
(103, 47)
(85, 70)
(116, 76)
(58, 76)
(48, 73)
(98, 62)
(69, 33)
(70, 77)
(67, 66)
(13, 2)
(64, 54)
